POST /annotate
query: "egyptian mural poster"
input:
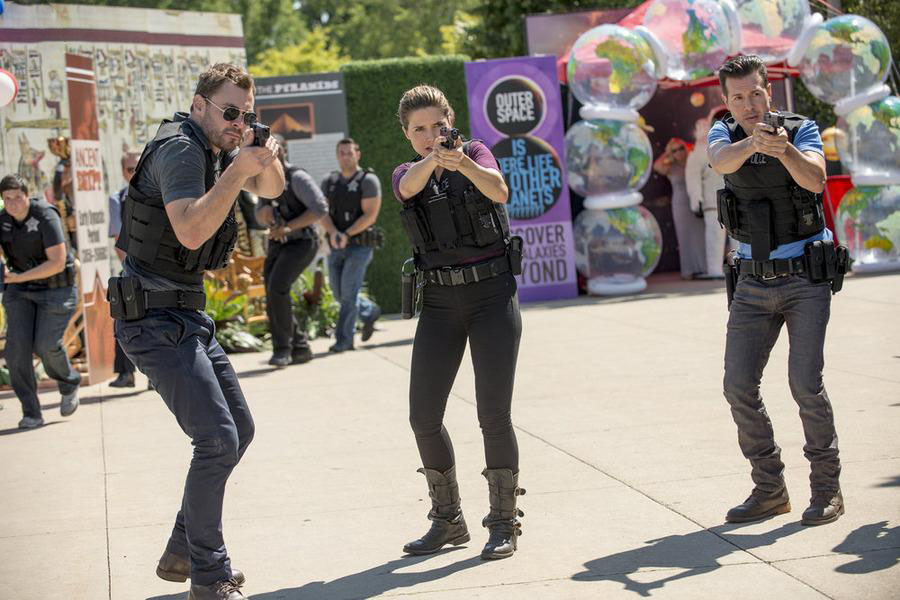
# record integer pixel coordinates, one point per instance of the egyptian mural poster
(146, 63)
(515, 108)
(310, 112)
(92, 215)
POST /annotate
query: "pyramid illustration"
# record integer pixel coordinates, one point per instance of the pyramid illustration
(286, 124)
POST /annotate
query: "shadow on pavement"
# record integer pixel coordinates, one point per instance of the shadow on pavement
(365, 584)
(15, 430)
(394, 344)
(257, 372)
(694, 553)
(84, 400)
(890, 482)
(860, 540)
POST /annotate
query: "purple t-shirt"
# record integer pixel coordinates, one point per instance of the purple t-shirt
(478, 152)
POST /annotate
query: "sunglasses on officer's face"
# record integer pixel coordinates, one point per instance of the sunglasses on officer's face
(231, 113)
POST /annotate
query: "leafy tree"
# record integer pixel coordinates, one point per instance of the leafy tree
(371, 29)
(269, 24)
(312, 55)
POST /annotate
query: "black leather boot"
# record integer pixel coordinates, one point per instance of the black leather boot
(759, 506)
(447, 523)
(824, 507)
(175, 567)
(502, 521)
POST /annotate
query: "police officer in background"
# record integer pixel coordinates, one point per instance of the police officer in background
(293, 243)
(178, 222)
(453, 199)
(784, 273)
(122, 367)
(39, 299)
(354, 199)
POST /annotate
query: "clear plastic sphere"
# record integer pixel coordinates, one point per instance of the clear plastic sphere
(620, 245)
(846, 56)
(770, 28)
(868, 223)
(869, 142)
(605, 156)
(695, 32)
(612, 66)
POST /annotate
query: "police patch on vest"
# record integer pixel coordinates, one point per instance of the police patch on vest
(532, 172)
(515, 105)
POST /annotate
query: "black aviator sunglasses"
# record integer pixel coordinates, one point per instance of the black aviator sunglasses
(231, 113)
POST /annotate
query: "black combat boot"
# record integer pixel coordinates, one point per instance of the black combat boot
(760, 506)
(447, 523)
(502, 521)
(824, 507)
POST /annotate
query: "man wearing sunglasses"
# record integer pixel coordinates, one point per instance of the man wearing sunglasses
(178, 222)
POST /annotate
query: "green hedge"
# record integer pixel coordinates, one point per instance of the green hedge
(373, 91)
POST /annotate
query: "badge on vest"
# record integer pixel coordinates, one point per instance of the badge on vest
(758, 159)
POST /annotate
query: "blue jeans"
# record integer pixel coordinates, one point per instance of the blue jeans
(366, 309)
(36, 321)
(177, 350)
(346, 272)
(759, 311)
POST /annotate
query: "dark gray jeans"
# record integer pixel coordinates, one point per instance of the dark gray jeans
(177, 350)
(759, 310)
(36, 321)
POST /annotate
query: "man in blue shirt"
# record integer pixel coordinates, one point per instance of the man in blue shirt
(773, 176)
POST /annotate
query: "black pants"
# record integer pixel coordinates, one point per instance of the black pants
(487, 315)
(284, 264)
(121, 364)
(177, 350)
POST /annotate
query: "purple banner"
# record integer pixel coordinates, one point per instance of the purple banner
(515, 107)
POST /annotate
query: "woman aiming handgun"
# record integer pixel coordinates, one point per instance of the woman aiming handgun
(454, 213)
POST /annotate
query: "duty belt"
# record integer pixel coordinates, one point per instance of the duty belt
(175, 299)
(770, 269)
(465, 275)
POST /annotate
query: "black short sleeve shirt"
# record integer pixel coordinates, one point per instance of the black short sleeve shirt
(25, 243)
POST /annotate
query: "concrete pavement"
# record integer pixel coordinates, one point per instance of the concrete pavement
(628, 453)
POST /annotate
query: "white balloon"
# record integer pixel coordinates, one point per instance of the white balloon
(8, 88)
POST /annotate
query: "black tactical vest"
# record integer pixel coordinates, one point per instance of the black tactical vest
(24, 248)
(147, 235)
(288, 206)
(345, 198)
(762, 205)
(450, 222)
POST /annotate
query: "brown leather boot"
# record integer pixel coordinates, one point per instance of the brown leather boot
(177, 568)
(759, 506)
(220, 590)
(502, 521)
(447, 523)
(824, 507)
